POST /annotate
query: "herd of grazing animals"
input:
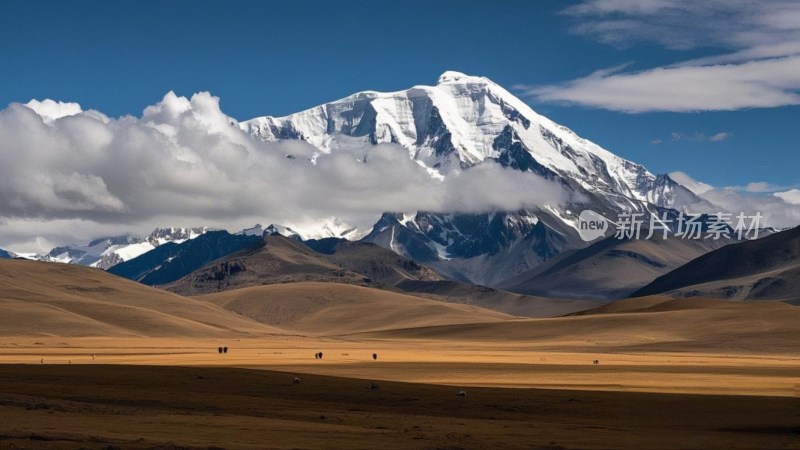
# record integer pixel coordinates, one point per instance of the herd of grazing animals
(296, 380)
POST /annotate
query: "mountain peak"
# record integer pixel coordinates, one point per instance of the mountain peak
(161, 236)
(452, 76)
(461, 122)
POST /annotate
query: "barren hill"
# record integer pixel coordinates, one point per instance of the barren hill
(39, 298)
(766, 268)
(333, 309)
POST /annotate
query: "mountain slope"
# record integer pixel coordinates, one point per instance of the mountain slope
(495, 299)
(91, 254)
(273, 259)
(277, 259)
(476, 248)
(39, 298)
(373, 261)
(107, 252)
(333, 309)
(461, 122)
(171, 261)
(766, 268)
(395, 272)
(642, 325)
(280, 260)
(611, 268)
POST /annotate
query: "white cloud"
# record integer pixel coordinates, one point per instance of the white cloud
(755, 84)
(51, 110)
(678, 24)
(779, 209)
(760, 186)
(698, 187)
(700, 137)
(760, 69)
(719, 137)
(777, 212)
(791, 196)
(184, 163)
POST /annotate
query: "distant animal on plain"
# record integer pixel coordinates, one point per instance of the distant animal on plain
(296, 380)
(374, 356)
(462, 393)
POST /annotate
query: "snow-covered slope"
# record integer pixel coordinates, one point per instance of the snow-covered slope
(461, 122)
(107, 252)
(114, 255)
(257, 230)
(324, 228)
(92, 254)
(161, 236)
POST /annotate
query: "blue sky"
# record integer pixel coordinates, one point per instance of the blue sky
(274, 58)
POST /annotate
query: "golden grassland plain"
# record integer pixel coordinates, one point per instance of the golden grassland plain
(114, 363)
(168, 407)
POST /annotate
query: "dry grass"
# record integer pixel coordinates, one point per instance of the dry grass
(336, 309)
(49, 407)
(111, 362)
(65, 300)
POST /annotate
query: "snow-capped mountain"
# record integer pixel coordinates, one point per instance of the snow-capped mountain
(161, 236)
(257, 230)
(173, 260)
(464, 121)
(271, 230)
(320, 229)
(5, 254)
(459, 123)
(107, 252)
(92, 254)
(326, 228)
(114, 255)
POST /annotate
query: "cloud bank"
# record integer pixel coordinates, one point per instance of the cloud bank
(698, 187)
(184, 162)
(778, 207)
(792, 196)
(760, 70)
